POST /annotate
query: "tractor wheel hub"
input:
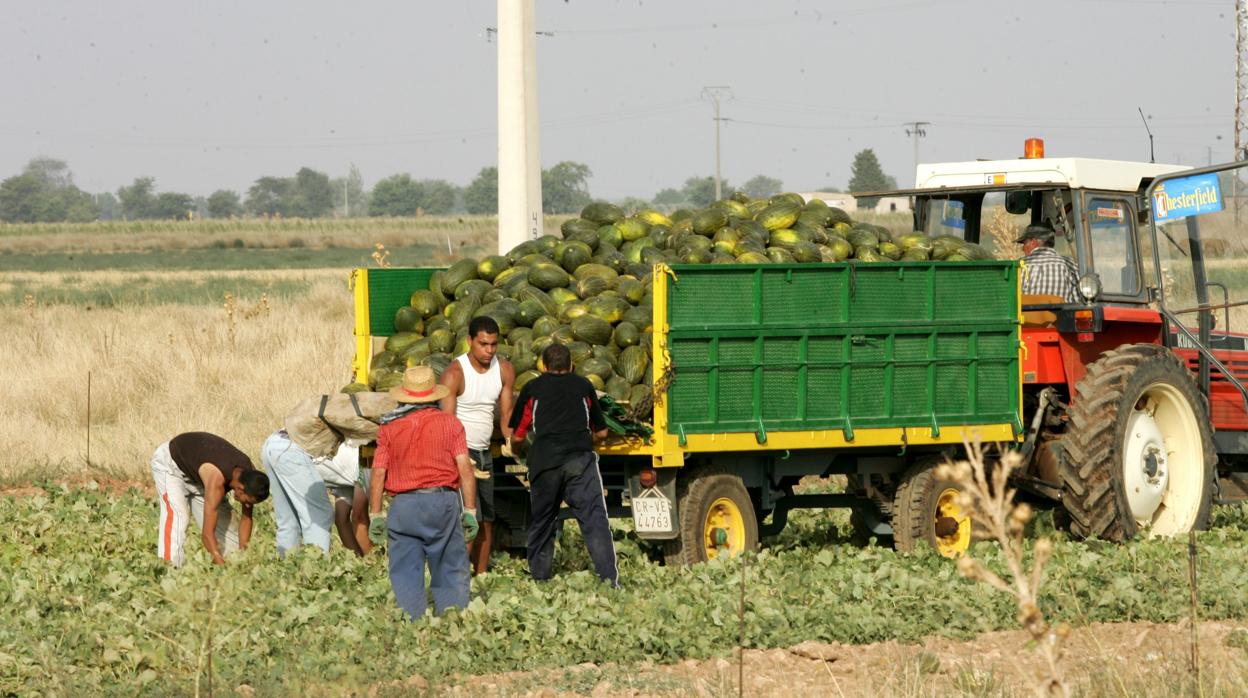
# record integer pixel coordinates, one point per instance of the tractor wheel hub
(1146, 473)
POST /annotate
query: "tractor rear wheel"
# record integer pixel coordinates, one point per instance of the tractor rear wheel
(1139, 449)
(927, 509)
(715, 516)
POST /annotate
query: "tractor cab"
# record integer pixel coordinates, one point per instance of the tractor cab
(1137, 382)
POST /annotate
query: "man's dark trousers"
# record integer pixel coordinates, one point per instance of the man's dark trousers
(425, 527)
(578, 482)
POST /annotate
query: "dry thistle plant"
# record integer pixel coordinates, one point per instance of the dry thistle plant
(1004, 232)
(260, 309)
(231, 306)
(987, 494)
(381, 255)
(28, 301)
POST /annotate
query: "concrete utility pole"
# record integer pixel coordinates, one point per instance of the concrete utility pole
(1241, 99)
(519, 160)
(915, 130)
(713, 93)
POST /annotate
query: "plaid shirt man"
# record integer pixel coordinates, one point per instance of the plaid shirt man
(1047, 273)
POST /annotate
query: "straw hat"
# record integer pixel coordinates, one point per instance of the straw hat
(420, 385)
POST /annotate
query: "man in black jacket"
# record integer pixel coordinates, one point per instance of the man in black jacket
(561, 410)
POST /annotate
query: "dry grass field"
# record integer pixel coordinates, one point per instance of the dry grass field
(157, 369)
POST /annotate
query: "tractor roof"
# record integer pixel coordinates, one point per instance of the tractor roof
(1076, 173)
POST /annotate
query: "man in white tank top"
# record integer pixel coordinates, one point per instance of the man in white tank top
(482, 394)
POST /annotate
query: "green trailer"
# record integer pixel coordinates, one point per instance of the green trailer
(766, 374)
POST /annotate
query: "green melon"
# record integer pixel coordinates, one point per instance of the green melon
(545, 326)
(570, 228)
(396, 343)
(572, 254)
(638, 394)
(594, 367)
(408, 319)
(707, 221)
(753, 258)
(589, 328)
(632, 364)
(630, 289)
(570, 311)
(383, 359)
(641, 317)
(602, 213)
(654, 217)
(490, 267)
(458, 273)
(779, 255)
(779, 215)
(617, 387)
(472, 287)
(591, 286)
(441, 341)
(426, 303)
(608, 308)
(633, 228)
(548, 276)
(788, 197)
(626, 335)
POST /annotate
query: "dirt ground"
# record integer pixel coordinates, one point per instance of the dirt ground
(1125, 659)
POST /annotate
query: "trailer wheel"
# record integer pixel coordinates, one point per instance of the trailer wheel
(715, 517)
(1139, 449)
(926, 509)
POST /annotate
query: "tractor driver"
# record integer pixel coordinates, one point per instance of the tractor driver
(1046, 272)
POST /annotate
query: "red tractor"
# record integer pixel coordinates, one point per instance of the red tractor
(1134, 397)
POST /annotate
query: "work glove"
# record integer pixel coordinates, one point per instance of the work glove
(377, 529)
(470, 524)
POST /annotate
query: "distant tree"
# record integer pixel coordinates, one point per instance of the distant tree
(350, 199)
(107, 206)
(311, 195)
(762, 187)
(45, 192)
(700, 191)
(270, 196)
(481, 195)
(437, 196)
(224, 203)
(669, 198)
(867, 175)
(173, 205)
(565, 187)
(829, 188)
(397, 195)
(138, 200)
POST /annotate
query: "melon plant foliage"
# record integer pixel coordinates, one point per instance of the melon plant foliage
(86, 608)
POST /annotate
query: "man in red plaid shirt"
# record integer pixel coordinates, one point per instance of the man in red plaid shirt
(422, 462)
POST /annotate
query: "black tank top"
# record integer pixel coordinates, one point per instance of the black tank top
(194, 448)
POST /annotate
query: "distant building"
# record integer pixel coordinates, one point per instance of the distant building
(846, 202)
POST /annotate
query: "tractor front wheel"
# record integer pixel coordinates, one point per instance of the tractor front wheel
(1138, 454)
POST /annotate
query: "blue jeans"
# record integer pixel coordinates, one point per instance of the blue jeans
(300, 504)
(424, 527)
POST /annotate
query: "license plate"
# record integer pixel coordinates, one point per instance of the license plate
(652, 515)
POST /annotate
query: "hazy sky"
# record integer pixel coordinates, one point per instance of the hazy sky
(213, 95)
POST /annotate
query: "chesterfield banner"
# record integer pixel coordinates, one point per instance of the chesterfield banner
(1187, 196)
